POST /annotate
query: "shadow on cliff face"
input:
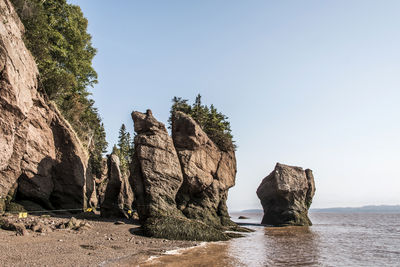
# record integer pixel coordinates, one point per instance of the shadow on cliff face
(70, 177)
(56, 185)
(38, 188)
(53, 187)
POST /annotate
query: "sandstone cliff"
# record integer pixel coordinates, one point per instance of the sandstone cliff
(41, 159)
(180, 183)
(286, 195)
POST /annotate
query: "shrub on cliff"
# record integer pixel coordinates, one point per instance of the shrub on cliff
(56, 34)
(214, 123)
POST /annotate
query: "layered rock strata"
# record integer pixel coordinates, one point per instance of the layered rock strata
(118, 197)
(41, 158)
(286, 195)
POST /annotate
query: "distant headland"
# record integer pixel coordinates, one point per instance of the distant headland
(368, 208)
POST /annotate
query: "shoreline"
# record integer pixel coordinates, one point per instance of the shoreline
(153, 260)
(102, 243)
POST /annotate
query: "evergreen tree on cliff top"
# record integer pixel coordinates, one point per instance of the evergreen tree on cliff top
(56, 34)
(124, 150)
(213, 123)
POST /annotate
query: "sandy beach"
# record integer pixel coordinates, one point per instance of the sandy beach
(103, 243)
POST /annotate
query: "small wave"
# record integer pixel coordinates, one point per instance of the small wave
(181, 250)
(177, 251)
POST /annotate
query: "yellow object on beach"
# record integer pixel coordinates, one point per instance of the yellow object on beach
(22, 215)
(129, 212)
(89, 210)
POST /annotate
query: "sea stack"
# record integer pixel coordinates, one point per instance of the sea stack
(208, 172)
(286, 195)
(180, 183)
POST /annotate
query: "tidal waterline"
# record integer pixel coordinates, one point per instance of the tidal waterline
(335, 239)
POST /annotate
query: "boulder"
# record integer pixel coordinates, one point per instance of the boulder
(40, 154)
(208, 172)
(286, 195)
(19, 228)
(118, 196)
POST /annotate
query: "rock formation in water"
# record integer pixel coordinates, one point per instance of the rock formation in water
(286, 195)
(208, 172)
(180, 195)
(118, 197)
(41, 158)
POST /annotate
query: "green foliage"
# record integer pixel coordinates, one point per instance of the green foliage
(124, 149)
(213, 123)
(56, 34)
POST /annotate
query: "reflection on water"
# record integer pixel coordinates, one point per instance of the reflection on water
(213, 254)
(334, 240)
(271, 246)
(290, 246)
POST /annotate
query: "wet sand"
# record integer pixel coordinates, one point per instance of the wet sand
(104, 244)
(211, 254)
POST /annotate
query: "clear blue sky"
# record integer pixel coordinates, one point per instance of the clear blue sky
(308, 83)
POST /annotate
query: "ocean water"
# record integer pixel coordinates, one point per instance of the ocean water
(335, 239)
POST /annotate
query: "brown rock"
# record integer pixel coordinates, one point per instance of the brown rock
(40, 227)
(156, 174)
(170, 205)
(208, 172)
(286, 195)
(38, 149)
(118, 197)
(19, 228)
(101, 182)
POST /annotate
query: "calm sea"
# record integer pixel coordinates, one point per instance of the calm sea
(335, 239)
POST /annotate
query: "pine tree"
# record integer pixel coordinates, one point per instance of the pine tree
(124, 149)
(199, 112)
(213, 123)
(179, 104)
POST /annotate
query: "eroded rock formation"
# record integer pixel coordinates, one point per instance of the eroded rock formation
(208, 172)
(180, 183)
(156, 174)
(40, 155)
(118, 197)
(286, 195)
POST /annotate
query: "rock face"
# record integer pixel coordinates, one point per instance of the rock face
(40, 154)
(118, 196)
(208, 173)
(180, 183)
(156, 174)
(101, 181)
(286, 195)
